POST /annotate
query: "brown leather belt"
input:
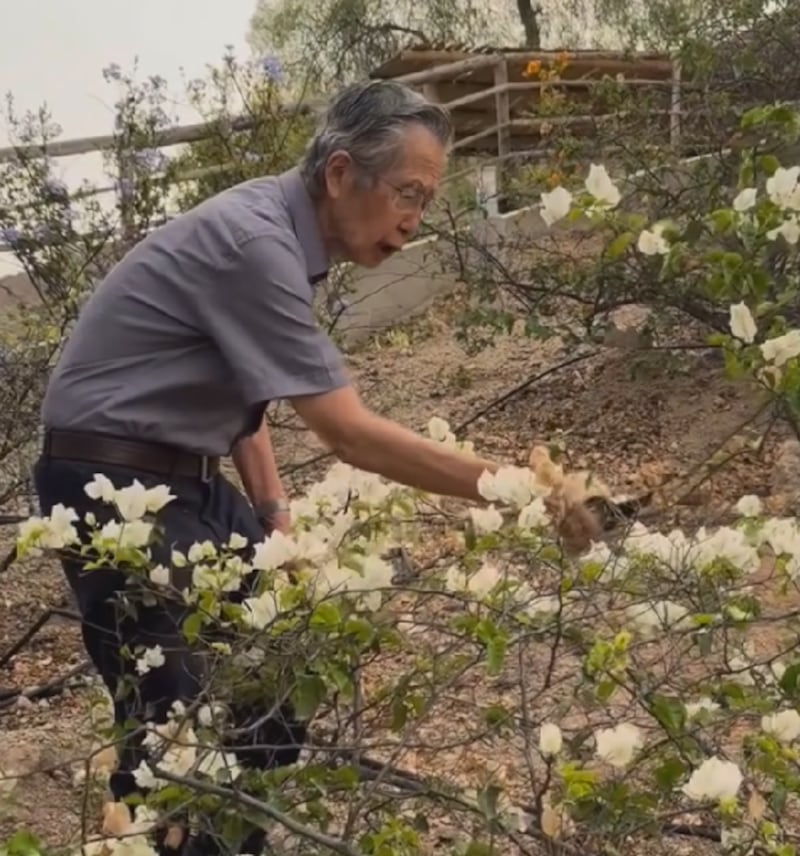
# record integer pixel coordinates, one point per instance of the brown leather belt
(152, 458)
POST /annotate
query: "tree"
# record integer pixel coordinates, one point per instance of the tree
(330, 42)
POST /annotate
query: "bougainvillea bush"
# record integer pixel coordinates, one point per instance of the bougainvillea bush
(509, 693)
(512, 693)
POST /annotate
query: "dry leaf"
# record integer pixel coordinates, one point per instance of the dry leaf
(756, 805)
(116, 818)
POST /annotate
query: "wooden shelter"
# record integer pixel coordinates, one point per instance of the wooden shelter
(495, 94)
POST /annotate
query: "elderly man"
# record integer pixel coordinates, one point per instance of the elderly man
(177, 353)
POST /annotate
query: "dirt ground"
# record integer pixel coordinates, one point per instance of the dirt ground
(639, 420)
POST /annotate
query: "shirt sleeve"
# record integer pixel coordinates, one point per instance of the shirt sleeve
(261, 316)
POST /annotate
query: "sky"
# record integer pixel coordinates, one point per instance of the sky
(54, 52)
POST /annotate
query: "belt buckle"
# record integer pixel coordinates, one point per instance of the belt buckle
(205, 469)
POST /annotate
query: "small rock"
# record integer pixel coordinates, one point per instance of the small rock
(44, 703)
(24, 703)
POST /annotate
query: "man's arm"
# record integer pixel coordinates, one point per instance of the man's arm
(377, 445)
(254, 460)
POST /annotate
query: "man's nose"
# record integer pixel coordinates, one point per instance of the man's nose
(410, 223)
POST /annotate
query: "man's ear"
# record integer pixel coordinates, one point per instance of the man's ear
(611, 514)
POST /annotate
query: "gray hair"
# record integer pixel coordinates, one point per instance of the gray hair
(368, 121)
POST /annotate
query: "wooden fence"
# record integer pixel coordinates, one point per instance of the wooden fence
(483, 92)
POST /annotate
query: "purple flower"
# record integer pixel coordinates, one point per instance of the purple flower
(150, 159)
(56, 190)
(112, 72)
(10, 235)
(43, 233)
(272, 68)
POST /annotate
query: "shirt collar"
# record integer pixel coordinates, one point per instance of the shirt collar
(304, 220)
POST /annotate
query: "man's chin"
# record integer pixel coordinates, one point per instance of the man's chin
(372, 257)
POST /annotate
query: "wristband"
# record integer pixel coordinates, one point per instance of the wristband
(269, 507)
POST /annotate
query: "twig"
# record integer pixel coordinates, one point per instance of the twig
(34, 629)
(8, 697)
(496, 402)
(320, 838)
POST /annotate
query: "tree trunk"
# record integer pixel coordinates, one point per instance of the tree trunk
(529, 15)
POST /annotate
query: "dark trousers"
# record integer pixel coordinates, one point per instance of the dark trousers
(203, 511)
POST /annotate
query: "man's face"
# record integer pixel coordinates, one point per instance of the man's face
(369, 224)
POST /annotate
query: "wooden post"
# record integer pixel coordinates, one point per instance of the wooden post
(675, 105)
(503, 114)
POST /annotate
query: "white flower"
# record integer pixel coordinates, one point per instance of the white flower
(479, 584)
(219, 766)
(659, 615)
(742, 324)
(550, 739)
(133, 534)
(152, 658)
(274, 552)
(101, 487)
(260, 611)
(144, 777)
(781, 349)
(237, 541)
(749, 506)
(600, 185)
(618, 745)
(745, 199)
(789, 230)
(693, 708)
(439, 430)
(555, 205)
(159, 575)
(714, 779)
(486, 519)
(59, 529)
(131, 501)
(652, 242)
(782, 187)
(515, 486)
(201, 550)
(785, 726)
(157, 497)
(533, 515)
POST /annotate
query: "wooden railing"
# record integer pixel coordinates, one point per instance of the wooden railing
(503, 125)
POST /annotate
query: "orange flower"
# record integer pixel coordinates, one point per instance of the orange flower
(554, 179)
(532, 68)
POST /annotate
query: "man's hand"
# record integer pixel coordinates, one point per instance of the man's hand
(255, 463)
(274, 515)
(577, 525)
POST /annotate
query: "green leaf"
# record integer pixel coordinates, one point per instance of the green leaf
(618, 246)
(495, 654)
(768, 164)
(326, 616)
(670, 773)
(309, 692)
(478, 848)
(22, 843)
(790, 680)
(192, 625)
(487, 801)
(670, 712)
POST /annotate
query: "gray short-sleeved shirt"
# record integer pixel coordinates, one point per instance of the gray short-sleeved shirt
(201, 324)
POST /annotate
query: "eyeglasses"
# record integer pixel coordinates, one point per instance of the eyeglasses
(410, 198)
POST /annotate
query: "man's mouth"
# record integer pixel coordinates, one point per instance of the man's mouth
(388, 249)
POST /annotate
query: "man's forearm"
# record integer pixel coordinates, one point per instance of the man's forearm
(403, 456)
(254, 460)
